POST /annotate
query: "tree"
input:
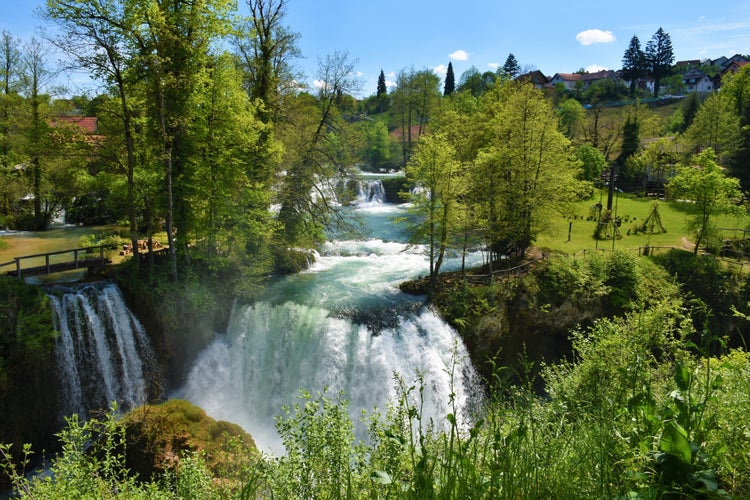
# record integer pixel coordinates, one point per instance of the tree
(475, 82)
(95, 34)
(572, 116)
(689, 108)
(525, 170)
(450, 81)
(715, 126)
(36, 78)
(737, 88)
(382, 89)
(659, 57)
(633, 64)
(708, 191)
(415, 96)
(267, 48)
(173, 41)
(316, 145)
(511, 67)
(592, 163)
(377, 150)
(435, 168)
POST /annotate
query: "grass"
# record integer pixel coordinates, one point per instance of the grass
(632, 210)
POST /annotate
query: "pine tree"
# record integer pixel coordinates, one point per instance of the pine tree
(511, 68)
(382, 89)
(450, 81)
(633, 64)
(659, 57)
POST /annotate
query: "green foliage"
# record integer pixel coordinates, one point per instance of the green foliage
(618, 280)
(638, 412)
(592, 162)
(710, 193)
(26, 329)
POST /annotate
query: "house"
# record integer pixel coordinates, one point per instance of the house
(537, 78)
(696, 80)
(87, 124)
(571, 80)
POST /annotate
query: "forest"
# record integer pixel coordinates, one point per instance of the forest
(206, 142)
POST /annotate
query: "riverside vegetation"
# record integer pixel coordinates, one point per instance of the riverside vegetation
(651, 401)
(606, 376)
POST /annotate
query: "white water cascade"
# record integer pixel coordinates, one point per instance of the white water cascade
(341, 326)
(370, 192)
(103, 353)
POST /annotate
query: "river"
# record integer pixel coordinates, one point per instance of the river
(341, 326)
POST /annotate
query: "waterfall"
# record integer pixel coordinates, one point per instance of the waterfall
(103, 353)
(370, 192)
(270, 352)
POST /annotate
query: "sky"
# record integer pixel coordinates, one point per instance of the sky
(551, 36)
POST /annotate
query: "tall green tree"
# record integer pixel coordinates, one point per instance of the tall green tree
(525, 171)
(317, 150)
(267, 50)
(659, 57)
(709, 193)
(435, 168)
(414, 100)
(231, 202)
(633, 64)
(511, 67)
(689, 108)
(450, 80)
(174, 40)
(737, 88)
(36, 78)
(572, 116)
(96, 34)
(382, 89)
(377, 150)
(715, 126)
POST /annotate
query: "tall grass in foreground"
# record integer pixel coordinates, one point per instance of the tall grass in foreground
(640, 412)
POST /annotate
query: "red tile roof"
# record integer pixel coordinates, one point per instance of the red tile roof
(87, 123)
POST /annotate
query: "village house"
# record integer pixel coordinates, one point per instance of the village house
(571, 80)
(696, 80)
(537, 78)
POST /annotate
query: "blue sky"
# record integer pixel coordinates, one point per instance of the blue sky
(554, 37)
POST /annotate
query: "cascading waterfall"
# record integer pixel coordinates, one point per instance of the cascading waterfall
(370, 191)
(342, 326)
(103, 352)
(270, 352)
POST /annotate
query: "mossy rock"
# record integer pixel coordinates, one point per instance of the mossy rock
(159, 436)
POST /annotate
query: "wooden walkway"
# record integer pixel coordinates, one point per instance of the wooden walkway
(63, 260)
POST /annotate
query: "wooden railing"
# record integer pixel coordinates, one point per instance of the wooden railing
(66, 265)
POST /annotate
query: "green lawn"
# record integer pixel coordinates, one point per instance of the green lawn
(632, 210)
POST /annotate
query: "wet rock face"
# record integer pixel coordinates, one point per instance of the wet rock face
(523, 330)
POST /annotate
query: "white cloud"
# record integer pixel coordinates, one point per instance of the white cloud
(494, 65)
(459, 55)
(390, 84)
(595, 68)
(589, 37)
(441, 70)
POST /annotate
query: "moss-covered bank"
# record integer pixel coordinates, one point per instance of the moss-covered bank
(28, 379)
(523, 320)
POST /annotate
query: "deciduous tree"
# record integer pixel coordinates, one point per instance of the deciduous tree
(525, 171)
(435, 168)
(708, 191)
